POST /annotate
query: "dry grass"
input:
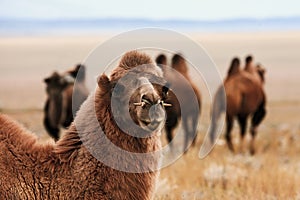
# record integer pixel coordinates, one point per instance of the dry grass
(273, 173)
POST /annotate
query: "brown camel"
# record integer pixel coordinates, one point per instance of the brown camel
(67, 169)
(58, 107)
(183, 94)
(245, 97)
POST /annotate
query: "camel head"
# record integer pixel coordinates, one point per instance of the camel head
(147, 104)
(261, 71)
(138, 91)
(56, 83)
(145, 93)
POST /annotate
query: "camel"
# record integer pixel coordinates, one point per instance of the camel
(245, 97)
(67, 169)
(190, 100)
(58, 107)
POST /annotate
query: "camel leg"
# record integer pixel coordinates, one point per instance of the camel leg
(257, 118)
(53, 131)
(229, 123)
(170, 125)
(194, 130)
(169, 132)
(242, 119)
(186, 134)
(69, 118)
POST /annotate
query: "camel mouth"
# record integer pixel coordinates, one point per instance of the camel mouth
(145, 122)
(151, 125)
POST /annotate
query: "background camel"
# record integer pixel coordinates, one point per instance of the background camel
(183, 94)
(58, 110)
(245, 97)
(67, 170)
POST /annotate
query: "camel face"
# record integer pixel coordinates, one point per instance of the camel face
(143, 90)
(261, 71)
(147, 106)
(148, 111)
(55, 84)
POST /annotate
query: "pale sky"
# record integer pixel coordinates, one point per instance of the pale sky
(152, 9)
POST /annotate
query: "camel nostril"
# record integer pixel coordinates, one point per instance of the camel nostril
(157, 113)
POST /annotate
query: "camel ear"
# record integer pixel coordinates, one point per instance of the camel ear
(104, 82)
(47, 80)
(260, 68)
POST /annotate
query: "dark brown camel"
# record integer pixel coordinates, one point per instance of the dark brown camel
(190, 99)
(245, 97)
(58, 108)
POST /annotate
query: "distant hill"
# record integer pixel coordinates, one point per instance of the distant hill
(25, 27)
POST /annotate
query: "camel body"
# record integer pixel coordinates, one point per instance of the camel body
(188, 108)
(245, 97)
(60, 107)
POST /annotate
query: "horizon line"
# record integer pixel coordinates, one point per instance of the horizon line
(152, 19)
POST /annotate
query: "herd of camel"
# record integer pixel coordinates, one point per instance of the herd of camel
(68, 170)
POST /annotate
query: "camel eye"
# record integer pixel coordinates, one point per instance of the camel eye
(165, 91)
(145, 100)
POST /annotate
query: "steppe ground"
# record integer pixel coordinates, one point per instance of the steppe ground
(273, 173)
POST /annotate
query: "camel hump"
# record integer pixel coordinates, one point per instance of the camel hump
(161, 60)
(234, 67)
(133, 59)
(9, 128)
(4, 120)
(179, 63)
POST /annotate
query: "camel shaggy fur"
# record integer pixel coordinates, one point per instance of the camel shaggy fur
(67, 169)
(58, 110)
(245, 96)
